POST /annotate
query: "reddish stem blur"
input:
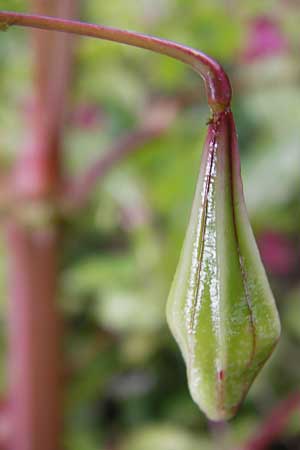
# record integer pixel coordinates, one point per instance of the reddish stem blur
(35, 405)
(156, 119)
(274, 424)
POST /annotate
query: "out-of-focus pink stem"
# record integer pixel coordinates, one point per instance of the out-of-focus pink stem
(38, 168)
(35, 400)
(34, 361)
(274, 423)
(216, 81)
(157, 118)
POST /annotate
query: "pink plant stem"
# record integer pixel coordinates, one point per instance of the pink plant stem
(35, 405)
(34, 356)
(274, 423)
(157, 119)
(216, 81)
(82, 188)
(38, 169)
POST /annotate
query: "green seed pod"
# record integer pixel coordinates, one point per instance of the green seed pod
(220, 308)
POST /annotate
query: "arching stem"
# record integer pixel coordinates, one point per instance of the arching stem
(216, 81)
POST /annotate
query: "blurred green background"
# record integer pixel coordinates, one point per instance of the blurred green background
(126, 383)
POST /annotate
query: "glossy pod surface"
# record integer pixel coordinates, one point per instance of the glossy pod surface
(220, 308)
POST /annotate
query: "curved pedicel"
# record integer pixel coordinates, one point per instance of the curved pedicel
(220, 307)
(216, 81)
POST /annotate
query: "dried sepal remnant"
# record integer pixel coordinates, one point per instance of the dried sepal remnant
(4, 26)
(221, 309)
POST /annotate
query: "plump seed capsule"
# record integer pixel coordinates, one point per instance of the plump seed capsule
(220, 308)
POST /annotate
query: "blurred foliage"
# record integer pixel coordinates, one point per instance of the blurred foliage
(127, 388)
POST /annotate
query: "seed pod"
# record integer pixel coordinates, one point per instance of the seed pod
(220, 308)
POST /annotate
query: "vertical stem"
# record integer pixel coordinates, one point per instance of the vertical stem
(34, 362)
(38, 172)
(34, 321)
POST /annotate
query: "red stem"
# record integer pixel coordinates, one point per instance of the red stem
(126, 145)
(38, 169)
(34, 322)
(274, 424)
(34, 357)
(157, 119)
(216, 81)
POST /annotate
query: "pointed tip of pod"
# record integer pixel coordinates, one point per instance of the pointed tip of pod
(222, 415)
(220, 308)
(220, 406)
(217, 413)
